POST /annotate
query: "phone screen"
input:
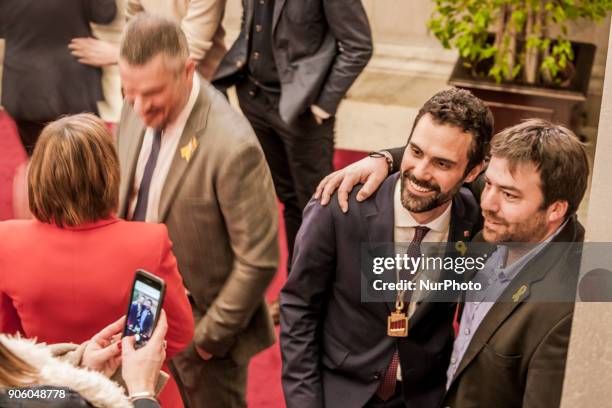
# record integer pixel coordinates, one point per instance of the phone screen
(143, 310)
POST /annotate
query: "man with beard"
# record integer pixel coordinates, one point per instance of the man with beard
(513, 338)
(336, 349)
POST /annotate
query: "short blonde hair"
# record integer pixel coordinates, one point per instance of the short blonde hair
(148, 35)
(74, 173)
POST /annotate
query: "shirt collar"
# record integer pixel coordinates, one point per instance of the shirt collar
(403, 218)
(181, 119)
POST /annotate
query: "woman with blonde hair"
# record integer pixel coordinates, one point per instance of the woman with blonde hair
(71, 376)
(69, 271)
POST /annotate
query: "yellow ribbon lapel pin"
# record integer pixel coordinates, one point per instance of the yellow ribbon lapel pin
(189, 148)
(520, 292)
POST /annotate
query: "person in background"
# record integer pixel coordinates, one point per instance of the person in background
(81, 376)
(200, 20)
(191, 161)
(292, 64)
(81, 273)
(41, 79)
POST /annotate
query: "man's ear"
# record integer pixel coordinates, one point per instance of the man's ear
(556, 211)
(471, 176)
(190, 66)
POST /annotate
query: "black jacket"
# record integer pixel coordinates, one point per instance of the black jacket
(319, 46)
(41, 79)
(335, 348)
(517, 356)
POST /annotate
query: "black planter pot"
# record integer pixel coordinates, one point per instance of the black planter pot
(512, 103)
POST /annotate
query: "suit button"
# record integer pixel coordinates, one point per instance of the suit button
(256, 55)
(258, 28)
(251, 93)
(376, 376)
(239, 63)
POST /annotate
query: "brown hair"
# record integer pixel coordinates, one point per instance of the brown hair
(146, 36)
(14, 372)
(557, 154)
(74, 173)
(460, 108)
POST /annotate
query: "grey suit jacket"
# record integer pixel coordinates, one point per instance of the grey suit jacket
(220, 210)
(319, 46)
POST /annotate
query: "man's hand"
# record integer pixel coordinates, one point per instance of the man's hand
(103, 353)
(94, 52)
(140, 368)
(204, 355)
(371, 171)
(319, 114)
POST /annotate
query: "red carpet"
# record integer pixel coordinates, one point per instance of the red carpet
(264, 387)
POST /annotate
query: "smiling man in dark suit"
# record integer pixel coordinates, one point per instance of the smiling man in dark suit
(336, 349)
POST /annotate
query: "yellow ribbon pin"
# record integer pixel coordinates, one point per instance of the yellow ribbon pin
(520, 292)
(189, 148)
(461, 247)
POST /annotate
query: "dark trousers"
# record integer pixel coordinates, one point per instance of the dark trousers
(218, 382)
(29, 132)
(396, 401)
(299, 154)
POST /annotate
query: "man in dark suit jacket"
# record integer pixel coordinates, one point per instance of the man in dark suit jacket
(335, 348)
(146, 318)
(135, 310)
(512, 353)
(293, 62)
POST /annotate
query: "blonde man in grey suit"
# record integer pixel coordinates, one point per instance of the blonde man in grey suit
(189, 160)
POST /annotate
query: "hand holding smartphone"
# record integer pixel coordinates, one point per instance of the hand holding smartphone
(144, 307)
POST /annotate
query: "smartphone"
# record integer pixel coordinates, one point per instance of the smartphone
(144, 307)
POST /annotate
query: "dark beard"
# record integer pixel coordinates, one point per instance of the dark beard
(419, 204)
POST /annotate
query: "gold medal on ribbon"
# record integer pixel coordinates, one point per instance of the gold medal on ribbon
(397, 322)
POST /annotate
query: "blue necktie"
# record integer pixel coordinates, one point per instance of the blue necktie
(140, 212)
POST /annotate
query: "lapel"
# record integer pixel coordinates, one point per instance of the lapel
(379, 215)
(278, 7)
(533, 272)
(136, 128)
(193, 129)
(248, 14)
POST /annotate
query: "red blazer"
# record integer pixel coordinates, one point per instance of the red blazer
(66, 284)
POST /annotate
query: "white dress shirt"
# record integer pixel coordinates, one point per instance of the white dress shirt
(169, 144)
(404, 227)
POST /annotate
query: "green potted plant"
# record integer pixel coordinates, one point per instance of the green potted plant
(515, 54)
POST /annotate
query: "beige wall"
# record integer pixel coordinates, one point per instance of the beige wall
(589, 364)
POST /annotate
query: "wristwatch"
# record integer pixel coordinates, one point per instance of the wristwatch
(383, 154)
